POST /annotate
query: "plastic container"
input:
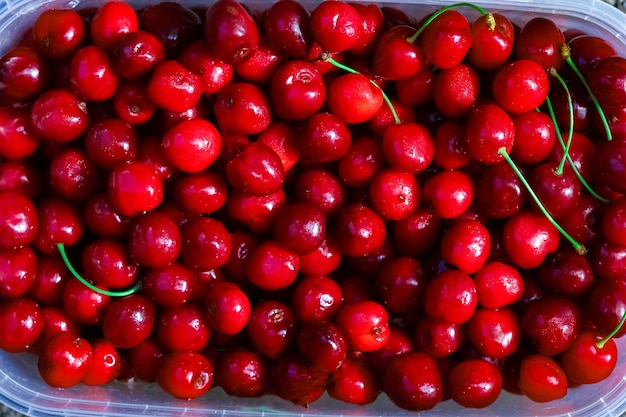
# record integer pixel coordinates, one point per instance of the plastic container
(22, 389)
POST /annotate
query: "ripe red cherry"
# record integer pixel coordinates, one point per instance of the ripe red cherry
(185, 375)
(520, 86)
(466, 245)
(242, 373)
(585, 362)
(293, 379)
(542, 379)
(272, 328)
(529, 238)
(498, 284)
(106, 364)
(242, 109)
(489, 128)
(272, 266)
(474, 383)
(24, 73)
(364, 324)
(154, 240)
(606, 79)
(335, 26)
(353, 98)
(230, 32)
(394, 194)
(59, 33)
(456, 90)
(58, 222)
(491, 47)
(17, 140)
(541, 40)
(106, 263)
(174, 24)
(134, 188)
(260, 67)
(354, 383)
(111, 22)
(173, 87)
(359, 230)
(192, 145)
(300, 227)
(316, 298)
(297, 90)
(413, 381)
(395, 58)
(129, 320)
(451, 296)
(110, 142)
(91, 74)
(137, 54)
(534, 137)
(438, 338)
(287, 27)
(18, 220)
(495, 333)
(325, 138)
(408, 147)
(447, 39)
(59, 115)
(227, 308)
(21, 324)
(257, 170)
(323, 344)
(552, 324)
(65, 360)
(206, 243)
(449, 193)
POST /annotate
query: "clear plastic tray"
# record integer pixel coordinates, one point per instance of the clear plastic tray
(22, 389)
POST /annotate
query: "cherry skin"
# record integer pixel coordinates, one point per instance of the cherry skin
(567, 273)
(335, 26)
(137, 54)
(408, 147)
(489, 128)
(559, 192)
(606, 305)
(293, 379)
(438, 338)
(59, 115)
(540, 40)
(474, 383)
(262, 65)
(154, 240)
(110, 142)
(400, 285)
(316, 298)
(451, 296)
(129, 321)
(322, 261)
(372, 28)
(535, 137)
(297, 90)
(499, 191)
(466, 245)
(542, 379)
(287, 27)
(418, 233)
(395, 58)
(230, 32)
(65, 360)
(173, 87)
(182, 328)
(201, 193)
(84, 305)
(326, 138)
(18, 139)
(185, 375)
(18, 220)
(106, 263)
(22, 324)
(529, 238)
(58, 222)
(300, 227)
(413, 381)
(447, 39)
(520, 86)
(206, 243)
(132, 105)
(111, 22)
(587, 363)
(354, 383)
(364, 159)
(605, 78)
(272, 328)
(91, 74)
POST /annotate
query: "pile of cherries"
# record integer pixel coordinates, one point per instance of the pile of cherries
(289, 201)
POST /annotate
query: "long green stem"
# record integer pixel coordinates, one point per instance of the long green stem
(570, 128)
(600, 343)
(439, 12)
(327, 58)
(89, 285)
(566, 53)
(580, 249)
(570, 161)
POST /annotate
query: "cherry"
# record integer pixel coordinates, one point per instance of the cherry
(260, 67)
(499, 191)
(173, 87)
(129, 320)
(325, 138)
(227, 308)
(206, 243)
(540, 40)
(354, 98)
(456, 90)
(293, 379)
(192, 145)
(184, 374)
(364, 324)
(257, 213)
(297, 90)
(58, 222)
(110, 142)
(359, 230)
(567, 273)
(300, 227)
(408, 147)
(335, 26)
(498, 284)
(558, 191)
(417, 89)
(438, 338)
(132, 105)
(492, 47)
(451, 296)
(230, 32)
(413, 381)
(106, 365)
(154, 240)
(91, 74)
(606, 78)
(400, 285)
(418, 233)
(105, 262)
(111, 22)
(22, 324)
(137, 54)
(287, 27)
(316, 298)
(65, 360)
(394, 194)
(535, 137)
(542, 379)
(446, 39)
(552, 324)
(134, 188)
(395, 58)
(242, 373)
(272, 266)
(18, 220)
(182, 328)
(24, 73)
(83, 304)
(588, 362)
(201, 193)
(466, 246)
(353, 383)
(489, 128)
(323, 344)
(175, 25)
(529, 238)
(272, 328)
(474, 383)
(449, 193)
(19, 176)
(242, 109)
(520, 86)
(495, 333)
(59, 115)
(58, 33)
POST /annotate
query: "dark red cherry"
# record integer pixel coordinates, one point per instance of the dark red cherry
(230, 31)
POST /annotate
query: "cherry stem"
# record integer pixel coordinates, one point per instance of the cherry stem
(326, 57)
(600, 343)
(579, 248)
(566, 53)
(89, 285)
(580, 177)
(570, 128)
(489, 18)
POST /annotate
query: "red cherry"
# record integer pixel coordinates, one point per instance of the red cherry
(242, 109)
(185, 375)
(106, 364)
(134, 188)
(230, 32)
(492, 46)
(65, 360)
(474, 383)
(287, 27)
(585, 362)
(395, 58)
(542, 379)
(59, 33)
(364, 325)
(297, 90)
(128, 321)
(192, 145)
(21, 324)
(111, 22)
(353, 98)
(447, 39)
(451, 296)
(520, 86)
(466, 246)
(335, 26)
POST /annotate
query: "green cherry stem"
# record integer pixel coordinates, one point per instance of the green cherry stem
(580, 177)
(570, 127)
(326, 57)
(68, 264)
(579, 248)
(566, 54)
(491, 23)
(600, 343)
